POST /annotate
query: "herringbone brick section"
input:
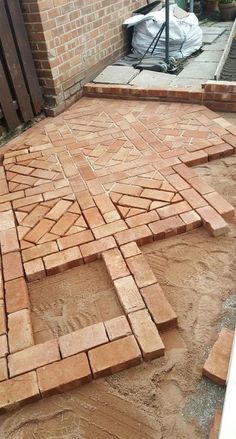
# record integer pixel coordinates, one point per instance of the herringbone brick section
(100, 180)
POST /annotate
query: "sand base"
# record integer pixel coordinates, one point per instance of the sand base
(72, 300)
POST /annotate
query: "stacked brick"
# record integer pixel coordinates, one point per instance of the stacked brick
(99, 182)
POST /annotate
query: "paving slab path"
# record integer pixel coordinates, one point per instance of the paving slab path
(100, 180)
(196, 69)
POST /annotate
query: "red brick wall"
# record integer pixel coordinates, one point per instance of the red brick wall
(72, 40)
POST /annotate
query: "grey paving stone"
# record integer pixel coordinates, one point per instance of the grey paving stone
(211, 30)
(210, 56)
(225, 24)
(148, 79)
(209, 38)
(116, 75)
(199, 70)
(218, 45)
(190, 84)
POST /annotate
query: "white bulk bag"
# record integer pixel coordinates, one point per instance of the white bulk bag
(185, 33)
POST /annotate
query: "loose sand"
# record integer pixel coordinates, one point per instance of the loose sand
(72, 300)
(163, 399)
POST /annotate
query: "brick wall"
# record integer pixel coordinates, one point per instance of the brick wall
(72, 40)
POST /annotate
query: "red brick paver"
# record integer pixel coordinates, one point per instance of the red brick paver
(117, 328)
(114, 356)
(33, 357)
(21, 389)
(20, 332)
(82, 340)
(147, 334)
(217, 363)
(16, 295)
(99, 181)
(64, 375)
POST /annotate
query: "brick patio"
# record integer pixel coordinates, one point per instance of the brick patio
(100, 180)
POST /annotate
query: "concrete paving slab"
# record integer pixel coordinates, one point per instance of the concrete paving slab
(210, 56)
(225, 24)
(218, 45)
(209, 38)
(116, 75)
(192, 84)
(199, 70)
(210, 30)
(148, 79)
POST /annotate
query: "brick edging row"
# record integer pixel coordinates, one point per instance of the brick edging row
(216, 95)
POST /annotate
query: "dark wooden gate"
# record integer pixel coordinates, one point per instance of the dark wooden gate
(20, 94)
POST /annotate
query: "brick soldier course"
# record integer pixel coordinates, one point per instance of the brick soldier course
(216, 95)
(99, 181)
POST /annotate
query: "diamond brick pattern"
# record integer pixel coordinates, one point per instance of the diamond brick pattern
(99, 181)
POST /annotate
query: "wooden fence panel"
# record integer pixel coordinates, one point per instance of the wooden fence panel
(6, 102)
(18, 79)
(26, 54)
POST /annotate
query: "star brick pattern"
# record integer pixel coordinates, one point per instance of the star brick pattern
(99, 181)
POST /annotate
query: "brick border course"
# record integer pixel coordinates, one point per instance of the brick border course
(217, 95)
